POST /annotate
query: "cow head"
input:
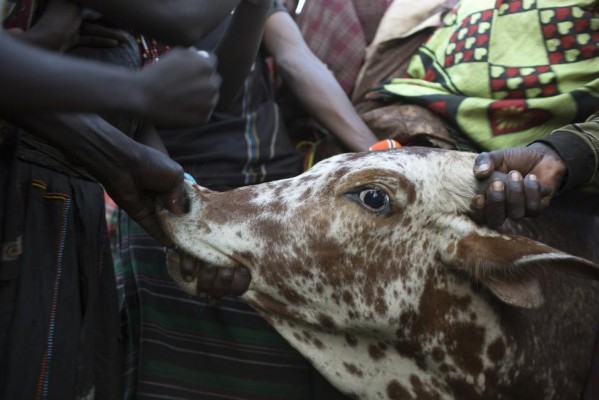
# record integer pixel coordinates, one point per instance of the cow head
(370, 266)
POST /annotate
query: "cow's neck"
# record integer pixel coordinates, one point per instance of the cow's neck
(417, 358)
(415, 353)
(367, 369)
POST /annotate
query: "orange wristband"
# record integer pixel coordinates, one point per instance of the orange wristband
(385, 145)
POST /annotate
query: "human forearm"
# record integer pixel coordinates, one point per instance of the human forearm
(521, 181)
(177, 22)
(314, 85)
(239, 46)
(148, 136)
(578, 146)
(57, 29)
(180, 91)
(134, 175)
(85, 139)
(64, 83)
(318, 91)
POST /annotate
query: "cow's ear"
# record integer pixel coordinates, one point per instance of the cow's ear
(512, 267)
(524, 291)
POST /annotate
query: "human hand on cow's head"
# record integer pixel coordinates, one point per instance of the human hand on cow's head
(144, 176)
(518, 182)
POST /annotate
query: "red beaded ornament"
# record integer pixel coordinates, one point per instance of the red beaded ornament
(150, 49)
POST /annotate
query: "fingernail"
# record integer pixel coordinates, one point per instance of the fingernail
(227, 273)
(172, 254)
(187, 276)
(497, 185)
(188, 268)
(478, 202)
(481, 167)
(515, 176)
(188, 177)
(532, 177)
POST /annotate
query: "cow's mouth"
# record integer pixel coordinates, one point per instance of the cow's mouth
(200, 277)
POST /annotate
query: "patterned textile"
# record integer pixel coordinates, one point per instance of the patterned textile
(57, 292)
(247, 144)
(338, 31)
(500, 94)
(58, 305)
(370, 13)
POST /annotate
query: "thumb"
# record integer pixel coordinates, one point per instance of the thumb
(151, 225)
(484, 166)
(176, 200)
(147, 219)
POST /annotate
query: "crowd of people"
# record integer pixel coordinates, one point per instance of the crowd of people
(117, 102)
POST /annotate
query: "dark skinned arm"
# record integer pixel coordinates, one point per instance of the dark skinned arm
(578, 146)
(60, 82)
(239, 46)
(177, 22)
(313, 84)
(57, 29)
(181, 90)
(133, 175)
(523, 180)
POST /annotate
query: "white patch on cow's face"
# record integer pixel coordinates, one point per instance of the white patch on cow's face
(349, 263)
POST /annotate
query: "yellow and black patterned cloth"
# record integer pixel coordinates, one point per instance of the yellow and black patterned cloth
(508, 72)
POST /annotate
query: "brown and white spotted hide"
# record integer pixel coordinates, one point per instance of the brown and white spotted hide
(369, 265)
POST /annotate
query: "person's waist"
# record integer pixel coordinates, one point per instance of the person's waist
(35, 150)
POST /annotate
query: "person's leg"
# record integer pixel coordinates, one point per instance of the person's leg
(65, 302)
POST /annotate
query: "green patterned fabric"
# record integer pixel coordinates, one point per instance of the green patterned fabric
(508, 72)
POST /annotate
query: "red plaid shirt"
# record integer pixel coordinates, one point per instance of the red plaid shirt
(338, 31)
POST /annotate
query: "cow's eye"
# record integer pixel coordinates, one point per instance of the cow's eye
(374, 198)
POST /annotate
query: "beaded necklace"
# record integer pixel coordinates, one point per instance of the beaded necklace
(150, 49)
